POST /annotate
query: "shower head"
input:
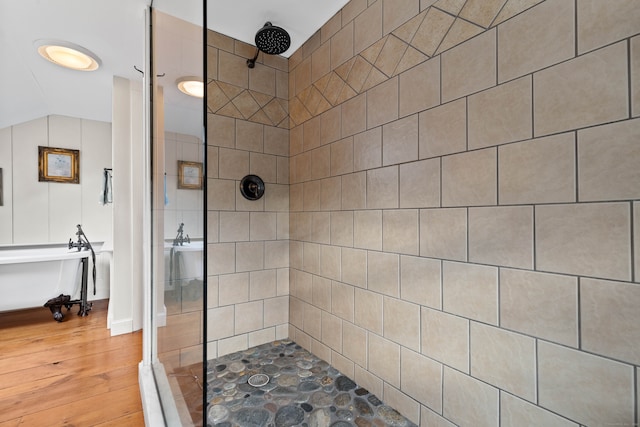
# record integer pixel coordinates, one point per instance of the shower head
(271, 40)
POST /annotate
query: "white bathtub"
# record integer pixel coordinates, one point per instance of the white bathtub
(189, 258)
(31, 275)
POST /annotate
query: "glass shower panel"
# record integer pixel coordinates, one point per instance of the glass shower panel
(178, 214)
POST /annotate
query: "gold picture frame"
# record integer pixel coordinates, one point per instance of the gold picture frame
(58, 165)
(189, 175)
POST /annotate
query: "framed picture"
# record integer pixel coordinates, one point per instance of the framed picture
(189, 175)
(58, 165)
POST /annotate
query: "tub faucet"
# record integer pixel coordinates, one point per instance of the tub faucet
(180, 239)
(82, 242)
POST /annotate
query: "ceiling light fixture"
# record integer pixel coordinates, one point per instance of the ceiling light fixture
(68, 55)
(191, 85)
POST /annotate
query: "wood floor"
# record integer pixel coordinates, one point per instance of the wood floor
(71, 373)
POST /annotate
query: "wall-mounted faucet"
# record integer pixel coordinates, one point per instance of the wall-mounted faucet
(180, 239)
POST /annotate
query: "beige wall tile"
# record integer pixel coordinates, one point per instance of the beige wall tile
(384, 359)
(342, 46)
(342, 364)
(504, 359)
(342, 228)
(311, 196)
(233, 344)
(383, 273)
(400, 141)
(368, 27)
(276, 141)
(635, 76)
(467, 401)
(481, 12)
(233, 69)
(330, 125)
(321, 162)
(234, 164)
(382, 103)
(311, 133)
(234, 226)
(262, 336)
(586, 239)
(469, 67)
(501, 236)
(420, 184)
(443, 130)
(443, 233)
(265, 166)
(249, 317)
(313, 321)
(470, 179)
(355, 343)
(354, 267)
(263, 80)
(585, 388)
(610, 319)
(342, 157)
(296, 312)
(539, 304)
(212, 291)
(233, 288)
(276, 311)
(420, 87)
(262, 284)
(608, 159)
(225, 131)
(541, 170)
(599, 25)
(354, 115)
(330, 260)
(445, 338)
(311, 258)
(397, 13)
(221, 258)
(303, 286)
(332, 331)
(531, 41)
(352, 9)
(470, 291)
(221, 194)
(367, 149)
(283, 170)
(249, 256)
(282, 278)
(430, 418)
(402, 322)
(213, 157)
(500, 114)
(400, 231)
(382, 188)
(249, 135)
(368, 310)
(213, 227)
(302, 75)
(320, 61)
(589, 90)
(426, 387)
(367, 229)
(516, 412)
(402, 403)
(220, 322)
(331, 194)
(342, 300)
(420, 280)
(263, 226)
(354, 191)
(369, 381)
(276, 198)
(321, 293)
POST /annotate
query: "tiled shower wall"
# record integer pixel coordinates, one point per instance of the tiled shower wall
(464, 207)
(248, 241)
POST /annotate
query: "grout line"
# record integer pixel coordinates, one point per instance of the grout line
(535, 246)
(629, 70)
(575, 28)
(576, 166)
(632, 239)
(578, 306)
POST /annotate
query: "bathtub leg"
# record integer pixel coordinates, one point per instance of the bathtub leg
(85, 306)
(55, 305)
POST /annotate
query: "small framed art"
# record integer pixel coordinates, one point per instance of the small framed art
(58, 165)
(189, 175)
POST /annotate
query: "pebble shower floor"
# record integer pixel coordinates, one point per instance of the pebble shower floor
(281, 384)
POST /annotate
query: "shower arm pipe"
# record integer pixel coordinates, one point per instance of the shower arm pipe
(251, 63)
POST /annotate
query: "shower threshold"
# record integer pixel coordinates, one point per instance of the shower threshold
(280, 384)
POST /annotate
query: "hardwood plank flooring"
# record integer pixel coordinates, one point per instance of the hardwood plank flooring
(71, 373)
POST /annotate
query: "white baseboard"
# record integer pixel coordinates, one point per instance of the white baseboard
(121, 327)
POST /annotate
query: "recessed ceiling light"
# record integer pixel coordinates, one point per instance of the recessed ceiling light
(192, 86)
(68, 55)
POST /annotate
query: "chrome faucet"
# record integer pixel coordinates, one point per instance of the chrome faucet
(82, 242)
(180, 239)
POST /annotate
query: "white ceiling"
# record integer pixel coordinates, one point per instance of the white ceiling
(31, 87)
